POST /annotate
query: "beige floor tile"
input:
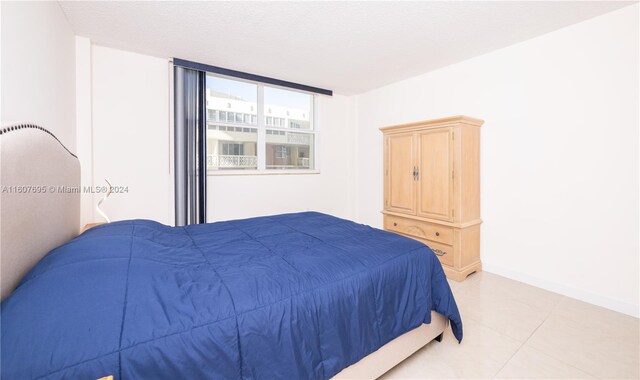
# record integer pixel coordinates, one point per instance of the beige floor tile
(492, 284)
(473, 277)
(564, 338)
(480, 356)
(529, 363)
(506, 315)
(584, 337)
(456, 287)
(608, 319)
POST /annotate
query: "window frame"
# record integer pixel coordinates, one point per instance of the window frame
(262, 127)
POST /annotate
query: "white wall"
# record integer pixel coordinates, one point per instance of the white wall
(84, 135)
(234, 197)
(559, 154)
(130, 133)
(38, 68)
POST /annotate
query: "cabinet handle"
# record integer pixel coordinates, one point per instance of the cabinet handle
(437, 233)
(395, 224)
(417, 173)
(439, 252)
(414, 173)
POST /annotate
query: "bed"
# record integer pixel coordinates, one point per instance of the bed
(292, 296)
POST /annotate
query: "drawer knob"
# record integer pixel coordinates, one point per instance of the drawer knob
(395, 224)
(437, 233)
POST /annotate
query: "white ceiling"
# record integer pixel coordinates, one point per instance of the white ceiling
(348, 47)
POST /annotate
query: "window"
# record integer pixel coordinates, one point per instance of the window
(282, 151)
(244, 134)
(233, 143)
(232, 149)
(289, 150)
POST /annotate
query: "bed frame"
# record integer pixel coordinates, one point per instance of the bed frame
(40, 210)
(393, 353)
(39, 199)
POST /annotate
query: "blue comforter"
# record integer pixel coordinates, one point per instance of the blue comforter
(296, 296)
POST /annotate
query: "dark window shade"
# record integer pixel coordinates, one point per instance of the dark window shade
(247, 76)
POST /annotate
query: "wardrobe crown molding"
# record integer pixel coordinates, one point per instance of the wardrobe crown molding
(436, 123)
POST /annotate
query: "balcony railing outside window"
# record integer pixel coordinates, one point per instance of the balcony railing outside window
(231, 161)
(254, 127)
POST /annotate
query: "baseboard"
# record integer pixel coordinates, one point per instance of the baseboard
(582, 295)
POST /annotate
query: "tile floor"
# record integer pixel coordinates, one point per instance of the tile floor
(516, 331)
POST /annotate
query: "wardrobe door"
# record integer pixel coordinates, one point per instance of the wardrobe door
(435, 182)
(400, 182)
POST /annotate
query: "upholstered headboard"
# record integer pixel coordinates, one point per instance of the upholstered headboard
(39, 199)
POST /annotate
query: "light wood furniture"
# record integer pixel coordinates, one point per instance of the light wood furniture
(432, 188)
(90, 225)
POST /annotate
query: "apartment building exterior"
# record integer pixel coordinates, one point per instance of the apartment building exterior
(233, 135)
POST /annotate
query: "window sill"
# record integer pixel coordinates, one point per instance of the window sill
(216, 173)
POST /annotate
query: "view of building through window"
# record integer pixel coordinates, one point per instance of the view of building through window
(244, 134)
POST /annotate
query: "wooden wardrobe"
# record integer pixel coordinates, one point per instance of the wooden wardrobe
(432, 188)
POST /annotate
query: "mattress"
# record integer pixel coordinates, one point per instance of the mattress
(287, 296)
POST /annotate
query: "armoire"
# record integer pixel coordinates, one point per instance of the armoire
(432, 188)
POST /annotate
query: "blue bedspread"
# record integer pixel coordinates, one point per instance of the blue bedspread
(295, 296)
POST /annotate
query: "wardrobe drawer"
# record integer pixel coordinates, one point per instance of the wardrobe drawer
(443, 251)
(420, 229)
